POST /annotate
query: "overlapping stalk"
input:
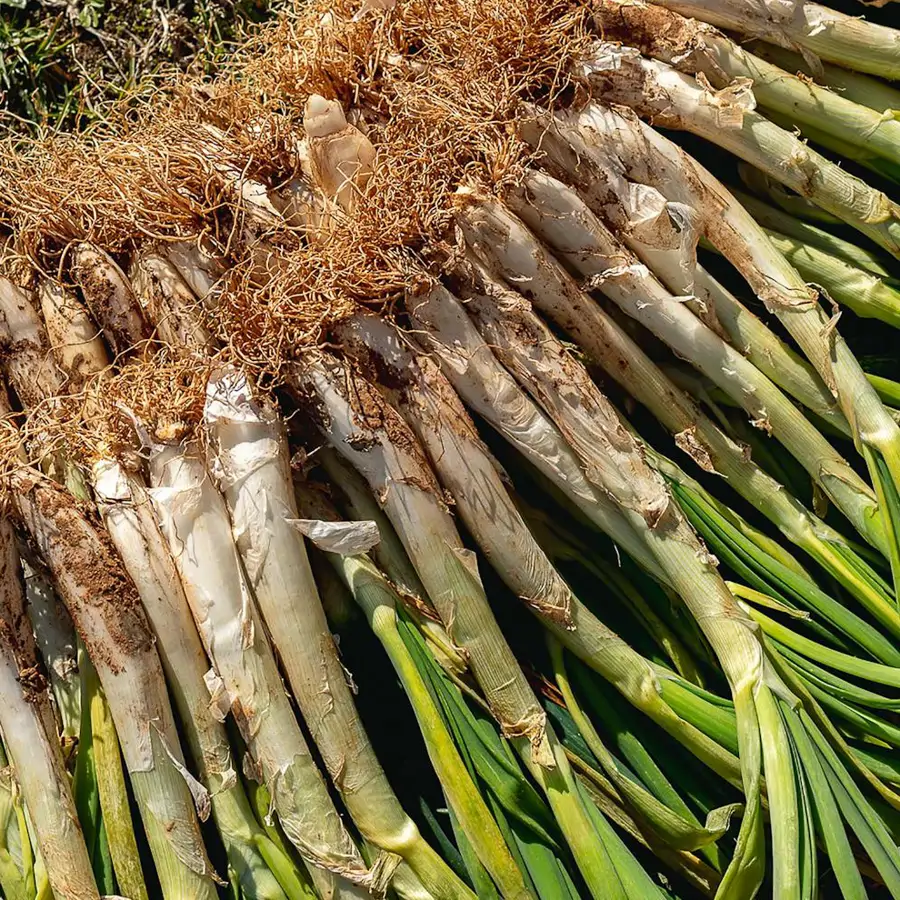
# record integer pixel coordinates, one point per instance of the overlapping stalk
(648, 157)
(816, 30)
(558, 216)
(727, 118)
(29, 730)
(662, 234)
(504, 243)
(379, 601)
(426, 402)
(106, 610)
(695, 48)
(194, 520)
(256, 862)
(371, 435)
(249, 459)
(529, 350)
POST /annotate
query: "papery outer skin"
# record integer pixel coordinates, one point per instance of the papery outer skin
(106, 611)
(405, 487)
(561, 219)
(663, 233)
(462, 463)
(482, 382)
(452, 336)
(194, 520)
(26, 351)
(127, 513)
(735, 233)
(29, 731)
(250, 459)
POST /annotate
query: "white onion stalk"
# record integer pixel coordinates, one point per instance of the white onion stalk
(504, 243)
(377, 442)
(169, 302)
(482, 380)
(29, 730)
(371, 437)
(816, 30)
(378, 600)
(106, 610)
(244, 679)
(198, 266)
(126, 511)
(27, 358)
(561, 219)
(341, 157)
(109, 298)
(442, 327)
(648, 157)
(727, 118)
(538, 361)
(696, 48)
(77, 345)
(250, 462)
(663, 235)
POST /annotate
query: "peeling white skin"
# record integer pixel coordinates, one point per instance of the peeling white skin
(194, 520)
(199, 269)
(696, 48)
(343, 538)
(654, 89)
(127, 513)
(120, 644)
(464, 467)
(815, 29)
(409, 495)
(249, 457)
(480, 379)
(561, 219)
(664, 234)
(652, 159)
(29, 732)
(341, 156)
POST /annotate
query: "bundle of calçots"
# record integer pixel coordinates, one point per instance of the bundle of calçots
(425, 314)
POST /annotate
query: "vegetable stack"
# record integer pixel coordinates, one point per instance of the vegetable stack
(456, 453)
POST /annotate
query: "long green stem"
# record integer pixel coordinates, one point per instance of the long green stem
(848, 41)
(111, 788)
(127, 514)
(194, 520)
(253, 471)
(378, 600)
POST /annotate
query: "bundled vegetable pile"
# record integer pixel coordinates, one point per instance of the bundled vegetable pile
(318, 376)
